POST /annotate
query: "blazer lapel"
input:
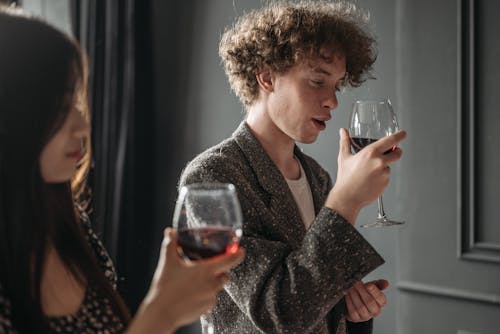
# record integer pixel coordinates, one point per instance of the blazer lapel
(281, 201)
(316, 189)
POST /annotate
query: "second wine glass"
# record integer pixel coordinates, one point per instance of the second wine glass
(208, 221)
(371, 120)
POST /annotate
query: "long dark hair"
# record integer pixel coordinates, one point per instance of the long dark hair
(41, 70)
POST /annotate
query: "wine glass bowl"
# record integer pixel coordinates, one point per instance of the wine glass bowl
(369, 121)
(208, 221)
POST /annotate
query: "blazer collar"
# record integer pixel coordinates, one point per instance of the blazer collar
(318, 194)
(280, 200)
(270, 178)
(268, 175)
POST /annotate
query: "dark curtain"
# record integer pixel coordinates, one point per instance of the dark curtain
(116, 35)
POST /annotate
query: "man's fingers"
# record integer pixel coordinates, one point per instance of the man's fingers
(359, 303)
(353, 315)
(365, 301)
(369, 298)
(393, 156)
(388, 143)
(376, 293)
(382, 284)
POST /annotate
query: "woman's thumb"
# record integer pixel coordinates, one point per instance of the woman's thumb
(169, 246)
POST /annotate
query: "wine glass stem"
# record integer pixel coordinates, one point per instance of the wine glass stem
(381, 212)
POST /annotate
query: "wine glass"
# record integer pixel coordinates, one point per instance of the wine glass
(208, 221)
(371, 120)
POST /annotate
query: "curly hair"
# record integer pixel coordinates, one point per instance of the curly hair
(282, 34)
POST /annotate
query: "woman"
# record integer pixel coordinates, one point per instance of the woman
(55, 275)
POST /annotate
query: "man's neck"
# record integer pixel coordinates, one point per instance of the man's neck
(277, 144)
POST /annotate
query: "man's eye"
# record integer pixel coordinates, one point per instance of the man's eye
(317, 83)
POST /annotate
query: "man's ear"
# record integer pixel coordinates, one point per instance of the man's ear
(265, 78)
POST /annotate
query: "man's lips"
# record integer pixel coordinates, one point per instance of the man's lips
(320, 123)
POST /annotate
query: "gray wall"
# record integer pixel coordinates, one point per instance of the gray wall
(54, 11)
(448, 268)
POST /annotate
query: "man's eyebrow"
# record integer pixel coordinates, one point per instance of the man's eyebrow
(321, 71)
(325, 72)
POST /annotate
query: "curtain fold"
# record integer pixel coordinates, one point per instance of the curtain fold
(106, 30)
(121, 178)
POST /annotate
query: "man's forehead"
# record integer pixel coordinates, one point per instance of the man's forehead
(327, 66)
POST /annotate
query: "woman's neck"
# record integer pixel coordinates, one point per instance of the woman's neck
(61, 292)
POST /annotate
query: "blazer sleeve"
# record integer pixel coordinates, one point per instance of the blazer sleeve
(280, 289)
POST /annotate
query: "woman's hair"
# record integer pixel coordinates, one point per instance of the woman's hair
(42, 72)
(281, 34)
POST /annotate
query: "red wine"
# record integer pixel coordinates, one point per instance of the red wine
(202, 243)
(358, 143)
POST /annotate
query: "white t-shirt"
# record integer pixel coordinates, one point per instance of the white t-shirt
(303, 197)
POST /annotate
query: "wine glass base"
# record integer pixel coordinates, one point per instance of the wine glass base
(383, 222)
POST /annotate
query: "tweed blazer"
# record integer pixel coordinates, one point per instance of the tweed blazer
(292, 280)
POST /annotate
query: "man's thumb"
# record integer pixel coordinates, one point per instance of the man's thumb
(345, 143)
(382, 284)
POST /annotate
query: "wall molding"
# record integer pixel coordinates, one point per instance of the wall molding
(453, 293)
(469, 246)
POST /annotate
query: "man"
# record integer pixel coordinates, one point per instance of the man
(305, 260)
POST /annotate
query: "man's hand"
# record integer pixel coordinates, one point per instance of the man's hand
(362, 177)
(365, 300)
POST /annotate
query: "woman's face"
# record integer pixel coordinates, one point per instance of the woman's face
(60, 156)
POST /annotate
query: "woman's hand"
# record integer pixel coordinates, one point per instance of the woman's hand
(181, 291)
(362, 177)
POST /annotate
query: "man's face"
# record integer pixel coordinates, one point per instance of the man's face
(304, 96)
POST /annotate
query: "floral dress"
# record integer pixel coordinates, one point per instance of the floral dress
(95, 314)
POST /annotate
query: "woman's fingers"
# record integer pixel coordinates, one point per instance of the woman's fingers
(222, 263)
(172, 248)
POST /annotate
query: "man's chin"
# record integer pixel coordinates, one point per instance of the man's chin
(307, 140)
